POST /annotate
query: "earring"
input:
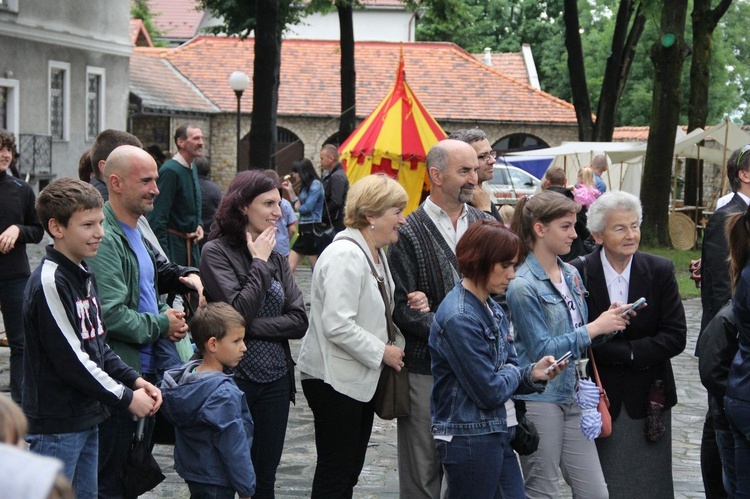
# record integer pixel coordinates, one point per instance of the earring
(372, 227)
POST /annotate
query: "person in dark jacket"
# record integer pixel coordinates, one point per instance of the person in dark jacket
(19, 226)
(634, 365)
(239, 267)
(716, 291)
(213, 426)
(210, 193)
(555, 181)
(70, 374)
(335, 185)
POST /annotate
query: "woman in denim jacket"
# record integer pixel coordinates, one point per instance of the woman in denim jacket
(309, 204)
(476, 370)
(549, 313)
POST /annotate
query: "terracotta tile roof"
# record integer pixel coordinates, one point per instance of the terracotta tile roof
(509, 63)
(177, 18)
(161, 87)
(451, 83)
(636, 133)
(138, 34)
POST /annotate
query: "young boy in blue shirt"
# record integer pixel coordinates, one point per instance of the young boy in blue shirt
(70, 374)
(213, 426)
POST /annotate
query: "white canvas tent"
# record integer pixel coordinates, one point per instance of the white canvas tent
(627, 157)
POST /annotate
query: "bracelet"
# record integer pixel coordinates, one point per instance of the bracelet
(296, 198)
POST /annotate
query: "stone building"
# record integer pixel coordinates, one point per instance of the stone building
(191, 83)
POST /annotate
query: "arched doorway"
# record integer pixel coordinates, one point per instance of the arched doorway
(518, 142)
(289, 148)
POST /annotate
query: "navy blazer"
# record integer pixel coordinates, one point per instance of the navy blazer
(654, 336)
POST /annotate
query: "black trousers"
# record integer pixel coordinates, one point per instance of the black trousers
(342, 432)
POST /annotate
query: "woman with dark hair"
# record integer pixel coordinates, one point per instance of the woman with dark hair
(309, 204)
(737, 398)
(239, 267)
(476, 370)
(548, 310)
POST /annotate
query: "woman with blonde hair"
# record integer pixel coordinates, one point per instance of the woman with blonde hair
(347, 345)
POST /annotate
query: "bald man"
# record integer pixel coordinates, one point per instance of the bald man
(424, 259)
(599, 165)
(140, 329)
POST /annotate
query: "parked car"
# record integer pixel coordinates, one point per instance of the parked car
(510, 184)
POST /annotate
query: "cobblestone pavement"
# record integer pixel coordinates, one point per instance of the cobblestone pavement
(379, 477)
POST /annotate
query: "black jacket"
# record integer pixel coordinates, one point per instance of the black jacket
(718, 344)
(336, 186)
(716, 289)
(653, 337)
(583, 244)
(70, 373)
(17, 208)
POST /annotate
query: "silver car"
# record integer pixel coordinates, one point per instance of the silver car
(510, 184)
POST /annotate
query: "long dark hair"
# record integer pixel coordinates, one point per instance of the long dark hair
(306, 171)
(229, 220)
(738, 235)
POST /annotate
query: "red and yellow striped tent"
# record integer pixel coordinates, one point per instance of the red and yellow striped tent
(394, 140)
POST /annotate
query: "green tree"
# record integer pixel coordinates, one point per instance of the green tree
(668, 55)
(141, 9)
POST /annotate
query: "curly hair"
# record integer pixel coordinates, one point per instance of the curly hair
(229, 221)
(7, 141)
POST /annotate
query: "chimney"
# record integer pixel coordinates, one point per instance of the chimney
(488, 56)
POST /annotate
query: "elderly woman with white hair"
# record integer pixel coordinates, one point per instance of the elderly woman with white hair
(634, 364)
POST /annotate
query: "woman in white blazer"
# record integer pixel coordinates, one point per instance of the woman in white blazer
(346, 347)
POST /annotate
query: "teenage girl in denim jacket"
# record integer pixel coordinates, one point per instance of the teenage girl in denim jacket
(549, 313)
(476, 370)
(309, 204)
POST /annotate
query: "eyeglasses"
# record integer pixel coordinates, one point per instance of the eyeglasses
(487, 155)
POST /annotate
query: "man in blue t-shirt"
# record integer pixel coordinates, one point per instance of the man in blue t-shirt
(141, 330)
(599, 166)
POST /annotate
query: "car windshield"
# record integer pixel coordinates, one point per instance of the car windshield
(513, 177)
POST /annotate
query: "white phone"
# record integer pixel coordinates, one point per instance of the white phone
(640, 301)
(559, 361)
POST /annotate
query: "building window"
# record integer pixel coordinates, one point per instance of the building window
(9, 105)
(9, 5)
(59, 100)
(95, 85)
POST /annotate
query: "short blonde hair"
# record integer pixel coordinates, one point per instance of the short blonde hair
(586, 176)
(372, 196)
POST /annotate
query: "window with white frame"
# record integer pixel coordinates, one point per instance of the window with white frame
(9, 5)
(9, 104)
(59, 100)
(95, 85)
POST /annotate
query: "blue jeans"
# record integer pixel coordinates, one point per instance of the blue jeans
(725, 443)
(200, 490)
(79, 453)
(738, 414)
(269, 406)
(11, 303)
(481, 466)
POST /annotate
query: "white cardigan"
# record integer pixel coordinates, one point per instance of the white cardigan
(346, 339)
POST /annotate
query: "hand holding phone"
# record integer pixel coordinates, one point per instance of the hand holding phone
(559, 361)
(636, 304)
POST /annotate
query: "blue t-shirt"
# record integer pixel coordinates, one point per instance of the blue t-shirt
(162, 355)
(282, 232)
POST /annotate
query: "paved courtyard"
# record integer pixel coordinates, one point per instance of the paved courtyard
(379, 478)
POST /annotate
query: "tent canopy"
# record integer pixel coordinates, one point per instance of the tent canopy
(394, 140)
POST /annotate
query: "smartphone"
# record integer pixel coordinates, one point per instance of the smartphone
(559, 361)
(640, 301)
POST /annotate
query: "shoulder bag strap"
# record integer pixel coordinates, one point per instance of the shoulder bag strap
(383, 292)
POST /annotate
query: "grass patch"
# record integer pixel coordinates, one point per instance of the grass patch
(681, 260)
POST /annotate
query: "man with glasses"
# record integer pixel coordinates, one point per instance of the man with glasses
(477, 139)
(716, 291)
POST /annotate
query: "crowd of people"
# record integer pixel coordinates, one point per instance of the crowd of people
(494, 319)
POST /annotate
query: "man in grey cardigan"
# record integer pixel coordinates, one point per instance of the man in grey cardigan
(424, 258)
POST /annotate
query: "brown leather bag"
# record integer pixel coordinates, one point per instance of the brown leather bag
(603, 406)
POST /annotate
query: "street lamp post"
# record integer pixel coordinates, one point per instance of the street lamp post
(239, 81)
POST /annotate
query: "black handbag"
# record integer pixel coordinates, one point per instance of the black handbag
(526, 440)
(392, 394)
(141, 472)
(324, 235)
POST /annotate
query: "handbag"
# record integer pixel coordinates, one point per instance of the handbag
(391, 398)
(324, 233)
(603, 406)
(526, 440)
(141, 472)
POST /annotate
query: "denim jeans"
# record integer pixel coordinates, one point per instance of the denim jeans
(200, 490)
(725, 443)
(11, 303)
(269, 406)
(342, 431)
(481, 466)
(78, 451)
(738, 414)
